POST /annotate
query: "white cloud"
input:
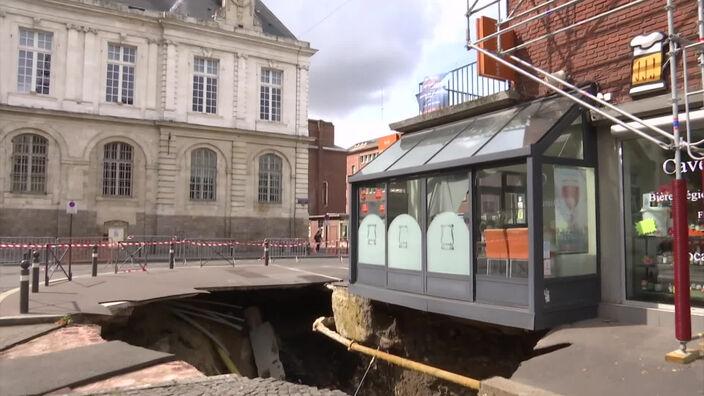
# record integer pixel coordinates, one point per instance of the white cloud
(368, 46)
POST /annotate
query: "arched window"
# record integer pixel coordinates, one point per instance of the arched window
(118, 161)
(270, 178)
(29, 164)
(204, 168)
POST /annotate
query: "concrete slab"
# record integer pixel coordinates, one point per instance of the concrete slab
(85, 295)
(75, 366)
(602, 357)
(13, 335)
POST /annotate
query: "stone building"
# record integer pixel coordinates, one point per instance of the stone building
(154, 117)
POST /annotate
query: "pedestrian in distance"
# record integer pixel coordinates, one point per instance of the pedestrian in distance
(318, 238)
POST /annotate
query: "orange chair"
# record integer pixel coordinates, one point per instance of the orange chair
(496, 247)
(518, 250)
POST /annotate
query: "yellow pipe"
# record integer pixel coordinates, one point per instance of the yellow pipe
(320, 327)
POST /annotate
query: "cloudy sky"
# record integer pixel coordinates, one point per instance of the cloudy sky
(371, 56)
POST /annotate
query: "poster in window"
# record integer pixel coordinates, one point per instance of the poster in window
(571, 217)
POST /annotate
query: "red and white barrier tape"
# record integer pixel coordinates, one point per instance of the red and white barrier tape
(156, 243)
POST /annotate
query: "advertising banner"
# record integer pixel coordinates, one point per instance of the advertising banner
(432, 95)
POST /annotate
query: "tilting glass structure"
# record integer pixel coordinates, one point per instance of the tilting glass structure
(492, 218)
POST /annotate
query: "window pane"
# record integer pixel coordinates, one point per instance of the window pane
(436, 140)
(270, 178)
(198, 93)
(528, 126)
(467, 142)
(127, 84)
(203, 174)
(394, 152)
(276, 104)
(24, 71)
(569, 221)
(405, 234)
(372, 228)
(448, 218)
(29, 163)
(502, 247)
(569, 144)
(211, 95)
(264, 103)
(117, 169)
(199, 65)
(43, 73)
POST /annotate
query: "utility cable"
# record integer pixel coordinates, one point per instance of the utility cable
(315, 25)
(365, 374)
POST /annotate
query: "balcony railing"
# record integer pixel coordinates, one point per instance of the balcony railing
(460, 85)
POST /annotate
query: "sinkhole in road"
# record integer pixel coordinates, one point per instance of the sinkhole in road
(223, 332)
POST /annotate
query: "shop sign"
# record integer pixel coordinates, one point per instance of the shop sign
(647, 71)
(670, 167)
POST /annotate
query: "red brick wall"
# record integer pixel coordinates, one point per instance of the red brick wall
(599, 51)
(325, 166)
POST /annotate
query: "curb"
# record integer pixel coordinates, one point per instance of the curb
(499, 386)
(27, 320)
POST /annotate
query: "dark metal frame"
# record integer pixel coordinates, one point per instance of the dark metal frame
(575, 297)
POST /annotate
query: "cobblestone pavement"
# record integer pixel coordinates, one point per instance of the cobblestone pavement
(230, 384)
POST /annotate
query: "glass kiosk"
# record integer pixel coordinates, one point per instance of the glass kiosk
(491, 218)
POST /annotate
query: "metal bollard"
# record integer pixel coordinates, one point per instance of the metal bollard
(24, 286)
(266, 252)
(94, 261)
(35, 272)
(171, 255)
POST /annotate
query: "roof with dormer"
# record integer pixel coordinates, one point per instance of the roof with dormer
(206, 9)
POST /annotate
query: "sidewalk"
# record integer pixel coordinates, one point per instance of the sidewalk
(601, 357)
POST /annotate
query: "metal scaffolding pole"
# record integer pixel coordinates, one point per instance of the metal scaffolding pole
(587, 105)
(674, 140)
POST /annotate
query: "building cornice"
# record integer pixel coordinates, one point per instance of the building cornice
(155, 123)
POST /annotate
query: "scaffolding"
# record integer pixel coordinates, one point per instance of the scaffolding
(511, 19)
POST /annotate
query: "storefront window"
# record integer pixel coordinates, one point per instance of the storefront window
(448, 217)
(569, 221)
(372, 228)
(405, 250)
(502, 245)
(648, 172)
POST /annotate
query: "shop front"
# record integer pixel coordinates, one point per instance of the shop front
(647, 174)
(491, 218)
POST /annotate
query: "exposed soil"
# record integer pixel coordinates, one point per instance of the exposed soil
(313, 359)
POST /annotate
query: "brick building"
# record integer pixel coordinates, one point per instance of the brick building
(155, 117)
(359, 155)
(523, 208)
(326, 183)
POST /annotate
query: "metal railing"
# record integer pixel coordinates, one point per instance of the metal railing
(464, 84)
(58, 254)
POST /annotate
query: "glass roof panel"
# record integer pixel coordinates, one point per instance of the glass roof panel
(528, 126)
(501, 131)
(393, 153)
(431, 144)
(466, 143)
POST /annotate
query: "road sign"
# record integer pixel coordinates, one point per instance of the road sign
(71, 207)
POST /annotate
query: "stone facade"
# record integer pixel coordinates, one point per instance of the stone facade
(161, 124)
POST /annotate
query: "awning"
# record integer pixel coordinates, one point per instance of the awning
(503, 134)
